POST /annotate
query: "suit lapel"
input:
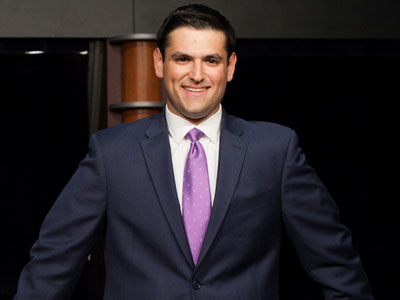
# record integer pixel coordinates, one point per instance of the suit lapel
(157, 154)
(233, 148)
(156, 150)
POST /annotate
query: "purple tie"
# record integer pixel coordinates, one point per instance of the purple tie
(196, 197)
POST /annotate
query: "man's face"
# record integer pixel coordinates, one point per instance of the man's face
(195, 71)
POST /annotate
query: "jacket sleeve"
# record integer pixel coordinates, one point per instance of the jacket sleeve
(311, 220)
(68, 233)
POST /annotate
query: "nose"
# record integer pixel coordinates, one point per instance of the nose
(196, 74)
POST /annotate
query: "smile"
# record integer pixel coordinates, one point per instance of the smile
(195, 89)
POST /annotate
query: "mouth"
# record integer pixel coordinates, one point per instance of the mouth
(195, 89)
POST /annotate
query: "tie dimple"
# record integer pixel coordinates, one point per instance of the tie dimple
(196, 197)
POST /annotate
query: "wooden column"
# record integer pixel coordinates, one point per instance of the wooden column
(140, 87)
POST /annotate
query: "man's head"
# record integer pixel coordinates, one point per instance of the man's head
(197, 16)
(195, 61)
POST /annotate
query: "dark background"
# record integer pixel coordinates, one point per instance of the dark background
(339, 95)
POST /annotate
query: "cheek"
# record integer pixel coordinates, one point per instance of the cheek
(173, 78)
(218, 77)
(170, 73)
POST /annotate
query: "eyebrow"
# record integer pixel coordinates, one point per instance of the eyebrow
(215, 56)
(181, 54)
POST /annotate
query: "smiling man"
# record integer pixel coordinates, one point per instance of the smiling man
(195, 68)
(192, 202)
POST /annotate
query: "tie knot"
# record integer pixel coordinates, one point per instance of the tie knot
(194, 134)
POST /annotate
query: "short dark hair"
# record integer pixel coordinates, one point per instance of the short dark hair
(198, 16)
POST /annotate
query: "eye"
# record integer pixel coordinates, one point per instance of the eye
(213, 61)
(181, 59)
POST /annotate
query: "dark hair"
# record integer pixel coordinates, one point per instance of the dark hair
(197, 16)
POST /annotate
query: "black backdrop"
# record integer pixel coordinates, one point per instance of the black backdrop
(339, 95)
(341, 98)
(44, 135)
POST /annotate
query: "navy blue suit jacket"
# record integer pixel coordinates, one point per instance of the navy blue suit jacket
(124, 189)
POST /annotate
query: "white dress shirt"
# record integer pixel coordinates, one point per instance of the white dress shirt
(178, 128)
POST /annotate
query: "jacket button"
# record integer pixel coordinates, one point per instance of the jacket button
(196, 285)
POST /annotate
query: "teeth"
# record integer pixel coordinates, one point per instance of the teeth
(194, 90)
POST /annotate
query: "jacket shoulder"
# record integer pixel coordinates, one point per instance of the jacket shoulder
(132, 131)
(261, 129)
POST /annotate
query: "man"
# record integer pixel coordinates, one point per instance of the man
(193, 213)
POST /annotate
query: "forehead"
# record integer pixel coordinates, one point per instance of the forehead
(188, 40)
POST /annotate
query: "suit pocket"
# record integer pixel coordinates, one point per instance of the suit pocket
(250, 204)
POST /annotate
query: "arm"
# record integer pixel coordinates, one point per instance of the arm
(323, 244)
(67, 234)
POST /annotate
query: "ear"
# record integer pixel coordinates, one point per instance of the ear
(158, 63)
(231, 66)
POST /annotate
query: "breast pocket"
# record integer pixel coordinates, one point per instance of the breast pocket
(251, 203)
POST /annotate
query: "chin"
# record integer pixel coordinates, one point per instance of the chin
(197, 117)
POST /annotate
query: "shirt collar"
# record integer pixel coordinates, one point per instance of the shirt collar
(178, 127)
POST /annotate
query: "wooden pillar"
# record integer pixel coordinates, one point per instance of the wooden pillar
(140, 87)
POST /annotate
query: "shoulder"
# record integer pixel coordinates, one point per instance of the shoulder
(260, 130)
(130, 133)
(266, 141)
